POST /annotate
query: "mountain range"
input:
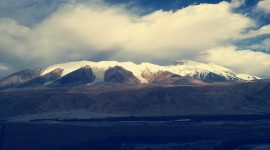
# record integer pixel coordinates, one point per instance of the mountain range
(88, 72)
(86, 89)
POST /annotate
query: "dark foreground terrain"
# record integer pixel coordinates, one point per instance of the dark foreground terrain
(140, 100)
(225, 133)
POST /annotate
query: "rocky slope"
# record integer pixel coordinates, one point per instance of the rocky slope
(45, 79)
(19, 78)
(119, 74)
(83, 75)
(166, 77)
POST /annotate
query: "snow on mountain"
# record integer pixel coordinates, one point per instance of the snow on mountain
(247, 77)
(201, 70)
(98, 68)
(186, 68)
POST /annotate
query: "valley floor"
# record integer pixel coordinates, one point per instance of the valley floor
(184, 134)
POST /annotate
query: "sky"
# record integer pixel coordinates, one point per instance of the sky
(38, 33)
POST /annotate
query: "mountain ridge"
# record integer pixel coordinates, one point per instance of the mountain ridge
(187, 69)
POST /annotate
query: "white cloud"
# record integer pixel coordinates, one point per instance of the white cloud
(264, 5)
(257, 32)
(12, 37)
(243, 61)
(237, 3)
(77, 29)
(3, 67)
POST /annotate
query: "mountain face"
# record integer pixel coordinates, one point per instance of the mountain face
(211, 77)
(165, 77)
(76, 73)
(84, 75)
(208, 72)
(119, 74)
(19, 78)
(160, 76)
(47, 78)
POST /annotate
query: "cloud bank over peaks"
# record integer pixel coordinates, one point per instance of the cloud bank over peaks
(77, 27)
(79, 31)
(245, 61)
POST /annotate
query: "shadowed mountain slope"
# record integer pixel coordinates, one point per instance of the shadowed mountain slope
(19, 78)
(119, 74)
(47, 78)
(84, 75)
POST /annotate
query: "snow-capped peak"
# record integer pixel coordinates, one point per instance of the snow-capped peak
(183, 68)
(192, 68)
